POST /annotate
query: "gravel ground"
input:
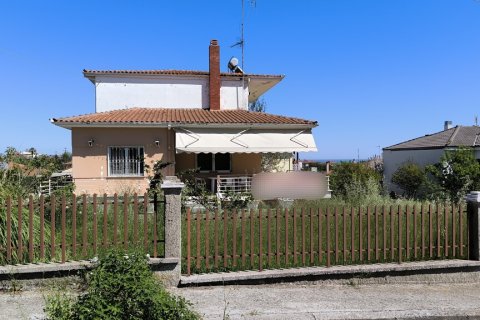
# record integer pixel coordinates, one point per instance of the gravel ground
(301, 301)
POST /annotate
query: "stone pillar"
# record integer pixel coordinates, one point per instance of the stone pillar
(473, 212)
(172, 189)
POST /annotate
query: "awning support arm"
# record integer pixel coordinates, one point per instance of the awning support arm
(293, 139)
(192, 135)
(237, 136)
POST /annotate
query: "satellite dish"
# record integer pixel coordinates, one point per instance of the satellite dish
(233, 65)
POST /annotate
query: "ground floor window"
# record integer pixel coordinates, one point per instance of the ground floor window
(125, 161)
(219, 162)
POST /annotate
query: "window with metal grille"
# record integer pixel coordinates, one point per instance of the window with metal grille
(125, 161)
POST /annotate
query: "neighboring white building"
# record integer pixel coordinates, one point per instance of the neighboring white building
(428, 149)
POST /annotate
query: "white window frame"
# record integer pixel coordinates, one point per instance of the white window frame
(213, 164)
(139, 148)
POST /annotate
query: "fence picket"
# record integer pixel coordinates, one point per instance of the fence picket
(125, 224)
(30, 229)
(9, 229)
(328, 237)
(252, 238)
(430, 232)
(216, 239)
(74, 226)
(438, 231)
(303, 237)
(42, 227)
(260, 253)
(234, 229)
(407, 232)
(368, 236)
(64, 225)
(392, 232)
(344, 255)
(269, 237)
(453, 232)
(400, 212)
(352, 234)
(95, 230)
(294, 236)
(446, 211)
(84, 225)
(336, 236)
(312, 249)
(422, 214)
(115, 222)
(145, 220)
(277, 238)
(52, 227)
(189, 245)
(105, 215)
(225, 248)
(320, 235)
(207, 238)
(197, 234)
(243, 238)
(286, 236)
(384, 218)
(460, 213)
(135, 218)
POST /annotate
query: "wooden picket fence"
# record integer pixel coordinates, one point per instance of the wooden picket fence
(58, 229)
(282, 238)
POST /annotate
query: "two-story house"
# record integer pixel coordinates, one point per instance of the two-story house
(194, 119)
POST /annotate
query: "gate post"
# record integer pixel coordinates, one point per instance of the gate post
(172, 189)
(473, 212)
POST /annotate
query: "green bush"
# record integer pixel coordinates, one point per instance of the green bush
(410, 177)
(457, 173)
(121, 286)
(354, 182)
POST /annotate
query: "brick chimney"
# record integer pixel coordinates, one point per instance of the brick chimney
(214, 79)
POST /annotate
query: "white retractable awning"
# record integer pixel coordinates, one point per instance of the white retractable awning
(244, 141)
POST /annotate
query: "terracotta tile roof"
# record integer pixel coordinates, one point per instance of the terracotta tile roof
(145, 116)
(454, 137)
(171, 72)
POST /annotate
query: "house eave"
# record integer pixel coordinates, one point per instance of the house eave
(67, 125)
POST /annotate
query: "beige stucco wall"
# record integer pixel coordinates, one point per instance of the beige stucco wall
(89, 164)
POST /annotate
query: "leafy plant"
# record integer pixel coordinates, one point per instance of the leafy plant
(457, 173)
(410, 177)
(237, 200)
(121, 286)
(157, 177)
(354, 180)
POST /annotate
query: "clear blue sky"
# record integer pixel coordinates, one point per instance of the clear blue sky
(371, 72)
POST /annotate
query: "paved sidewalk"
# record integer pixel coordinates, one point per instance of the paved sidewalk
(336, 301)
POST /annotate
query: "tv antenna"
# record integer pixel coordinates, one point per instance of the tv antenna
(241, 43)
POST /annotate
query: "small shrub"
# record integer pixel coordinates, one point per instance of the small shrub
(457, 173)
(122, 286)
(410, 177)
(348, 174)
(59, 306)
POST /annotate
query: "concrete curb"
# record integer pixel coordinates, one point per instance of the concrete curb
(48, 270)
(332, 273)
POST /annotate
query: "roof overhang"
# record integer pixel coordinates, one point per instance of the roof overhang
(243, 141)
(263, 126)
(258, 85)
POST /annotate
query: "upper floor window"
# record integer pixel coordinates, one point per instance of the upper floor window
(125, 161)
(219, 162)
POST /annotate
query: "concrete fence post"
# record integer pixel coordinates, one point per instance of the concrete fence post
(473, 212)
(172, 189)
